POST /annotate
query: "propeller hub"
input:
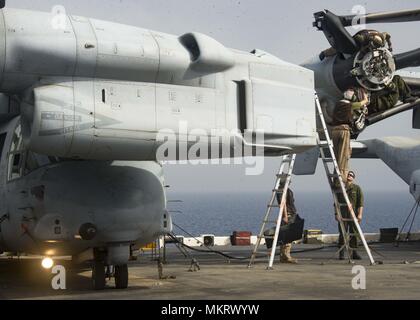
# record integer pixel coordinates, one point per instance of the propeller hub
(374, 69)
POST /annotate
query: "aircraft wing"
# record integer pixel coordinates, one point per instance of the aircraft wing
(412, 78)
(306, 162)
(361, 150)
(401, 154)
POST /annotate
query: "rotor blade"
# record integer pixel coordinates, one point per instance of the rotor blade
(413, 83)
(407, 59)
(382, 17)
(2, 4)
(392, 112)
(338, 37)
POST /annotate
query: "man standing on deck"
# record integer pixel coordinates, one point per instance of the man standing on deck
(356, 198)
(288, 216)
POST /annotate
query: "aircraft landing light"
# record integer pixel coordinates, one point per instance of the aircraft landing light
(47, 263)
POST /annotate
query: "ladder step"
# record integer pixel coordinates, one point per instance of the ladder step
(324, 142)
(324, 145)
(333, 175)
(266, 237)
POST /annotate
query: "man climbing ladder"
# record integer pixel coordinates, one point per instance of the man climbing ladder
(341, 198)
(285, 173)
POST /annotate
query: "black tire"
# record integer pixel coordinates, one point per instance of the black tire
(121, 277)
(98, 275)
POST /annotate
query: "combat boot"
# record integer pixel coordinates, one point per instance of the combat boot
(356, 256)
(285, 256)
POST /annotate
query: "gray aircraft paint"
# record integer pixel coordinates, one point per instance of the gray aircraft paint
(102, 91)
(124, 200)
(85, 65)
(401, 154)
(150, 81)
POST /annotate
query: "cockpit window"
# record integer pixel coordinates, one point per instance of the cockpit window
(2, 140)
(22, 161)
(16, 155)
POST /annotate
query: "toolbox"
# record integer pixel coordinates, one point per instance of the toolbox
(241, 238)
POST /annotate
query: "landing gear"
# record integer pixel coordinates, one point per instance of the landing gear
(108, 263)
(121, 276)
(98, 275)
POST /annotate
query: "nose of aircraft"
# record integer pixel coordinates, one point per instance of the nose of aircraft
(118, 201)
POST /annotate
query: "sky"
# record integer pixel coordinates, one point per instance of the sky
(283, 28)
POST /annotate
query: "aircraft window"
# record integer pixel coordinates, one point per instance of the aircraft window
(2, 140)
(16, 160)
(15, 166)
(22, 162)
(16, 155)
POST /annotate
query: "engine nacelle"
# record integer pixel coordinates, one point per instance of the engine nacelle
(372, 70)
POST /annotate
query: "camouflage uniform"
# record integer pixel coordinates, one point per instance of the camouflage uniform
(365, 38)
(389, 97)
(341, 133)
(356, 198)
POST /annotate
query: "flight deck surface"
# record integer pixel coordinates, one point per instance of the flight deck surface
(318, 275)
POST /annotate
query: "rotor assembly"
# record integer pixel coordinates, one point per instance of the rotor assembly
(365, 59)
(375, 69)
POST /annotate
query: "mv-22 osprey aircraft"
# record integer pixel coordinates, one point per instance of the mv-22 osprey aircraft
(81, 109)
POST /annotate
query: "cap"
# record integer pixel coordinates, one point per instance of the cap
(351, 173)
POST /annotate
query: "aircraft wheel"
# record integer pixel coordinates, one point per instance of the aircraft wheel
(98, 275)
(121, 277)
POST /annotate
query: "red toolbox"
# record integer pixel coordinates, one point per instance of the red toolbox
(241, 238)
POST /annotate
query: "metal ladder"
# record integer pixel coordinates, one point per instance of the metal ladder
(334, 176)
(284, 175)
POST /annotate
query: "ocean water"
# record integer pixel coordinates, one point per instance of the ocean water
(222, 213)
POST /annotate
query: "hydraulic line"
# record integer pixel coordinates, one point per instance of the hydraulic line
(209, 250)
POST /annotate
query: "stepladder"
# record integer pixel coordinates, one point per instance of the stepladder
(283, 180)
(348, 222)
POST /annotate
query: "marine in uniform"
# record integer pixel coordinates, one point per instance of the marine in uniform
(288, 216)
(341, 127)
(356, 198)
(387, 98)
